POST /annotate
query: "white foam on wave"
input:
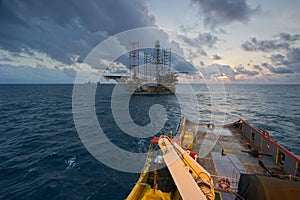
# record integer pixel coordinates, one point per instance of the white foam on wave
(72, 163)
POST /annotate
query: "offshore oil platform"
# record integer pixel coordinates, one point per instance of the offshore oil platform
(153, 77)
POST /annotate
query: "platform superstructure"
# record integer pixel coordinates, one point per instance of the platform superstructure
(154, 76)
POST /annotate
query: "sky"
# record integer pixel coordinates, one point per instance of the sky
(249, 41)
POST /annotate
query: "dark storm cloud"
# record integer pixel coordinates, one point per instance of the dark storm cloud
(219, 12)
(59, 28)
(216, 57)
(281, 41)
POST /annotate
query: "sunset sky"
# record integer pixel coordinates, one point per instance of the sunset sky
(250, 41)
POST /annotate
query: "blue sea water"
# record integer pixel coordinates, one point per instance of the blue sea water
(41, 155)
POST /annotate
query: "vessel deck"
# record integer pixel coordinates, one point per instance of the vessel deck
(209, 143)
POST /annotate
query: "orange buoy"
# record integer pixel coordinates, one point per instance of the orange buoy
(224, 183)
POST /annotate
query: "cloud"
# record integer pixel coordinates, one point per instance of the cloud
(266, 65)
(222, 12)
(228, 73)
(280, 70)
(264, 45)
(289, 37)
(290, 60)
(207, 39)
(257, 67)
(181, 65)
(60, 28)
(70, 72)
(26, 74)
(202, 64)
(285, 57)
(238, 74)
(277, 70)
(282, 41)
(241, 70)
(6, 59)
(216, 57)
(293, 59)
(192, 48)
(293, 56)
(195, 47)
(215, 71)
(278, 59)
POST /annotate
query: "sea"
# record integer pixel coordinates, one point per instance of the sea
(42, 156)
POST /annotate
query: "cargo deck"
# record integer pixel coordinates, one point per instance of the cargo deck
(228, 151)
